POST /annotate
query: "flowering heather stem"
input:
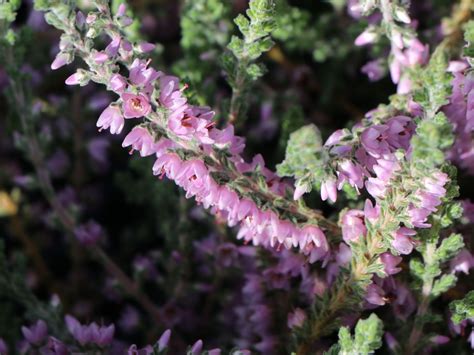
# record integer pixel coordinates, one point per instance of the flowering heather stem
(184, 138)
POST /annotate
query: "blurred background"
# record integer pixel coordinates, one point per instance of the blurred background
(75, 207)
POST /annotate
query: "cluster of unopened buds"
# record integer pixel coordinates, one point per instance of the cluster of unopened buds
(150, 94)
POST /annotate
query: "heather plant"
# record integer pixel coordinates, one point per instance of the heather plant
(353, 238)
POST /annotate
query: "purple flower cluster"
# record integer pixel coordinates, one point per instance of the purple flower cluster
(372, 161)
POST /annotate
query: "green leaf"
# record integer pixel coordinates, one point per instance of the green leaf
(433, 84)
(368, 335)
(432, 136)
(450, 247)
(443, 284)
(367, 338)
(462, 309)
(301, 158)
(345, 340)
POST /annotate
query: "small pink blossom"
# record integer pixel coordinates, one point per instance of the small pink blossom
(135, 106)
(141, 140)
(111, 118)
(328, 190)
(402, 241)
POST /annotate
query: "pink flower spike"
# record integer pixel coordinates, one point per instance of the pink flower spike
(111, 118)
(135, 106)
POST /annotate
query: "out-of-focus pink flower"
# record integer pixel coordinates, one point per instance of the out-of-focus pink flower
(353, 226)
(88, 233)
(366, 37)
(402, 241)
(78, 331)
(392, 343)
(197, 348)
(3, 347)
(55, 346)
(375, 295)
(373, 70)
(118, 83)
(390, 263)
(146, 47)
(164, 340)
(296, 318)
(35, 334)
(463, 262)
(102, 336)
